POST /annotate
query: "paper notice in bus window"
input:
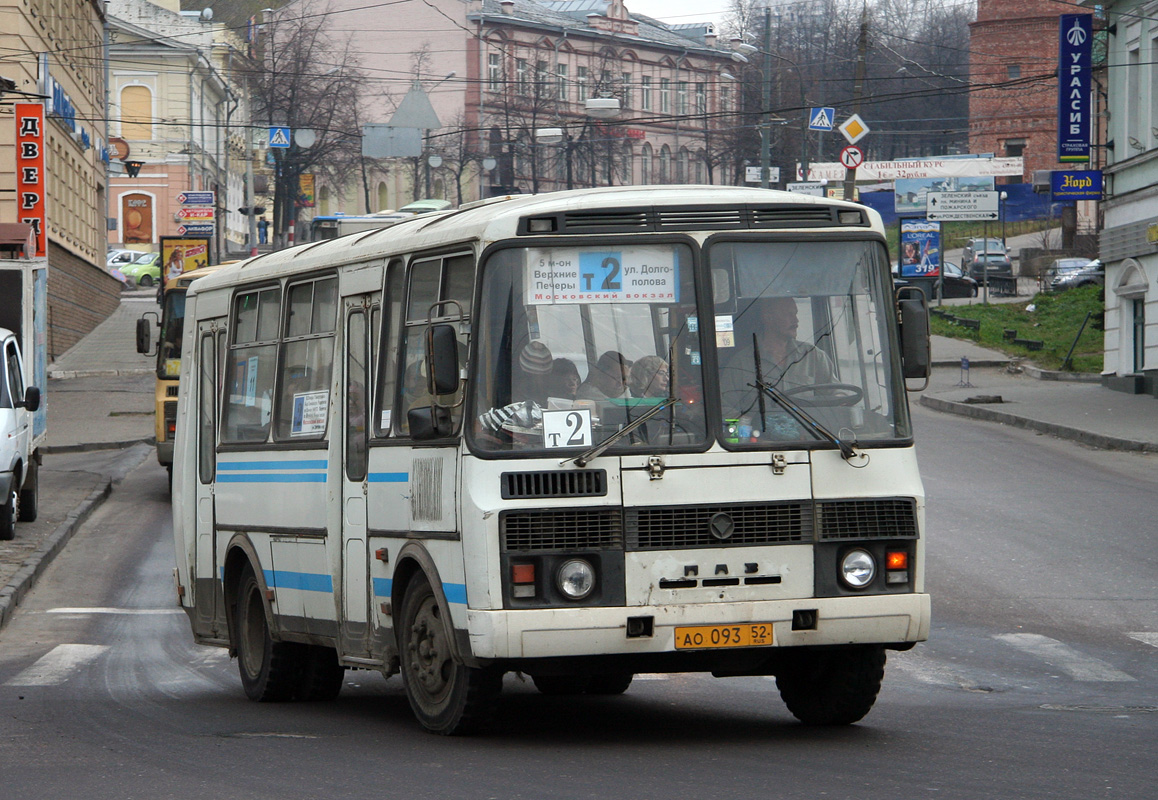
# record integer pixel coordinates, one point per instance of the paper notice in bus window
(725, 335)
(172, 367)
(251, 381)
(626, 275)
(567, 428)
(384, 423)
(309, 417)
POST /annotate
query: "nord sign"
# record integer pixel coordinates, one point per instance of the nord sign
(1084, 185)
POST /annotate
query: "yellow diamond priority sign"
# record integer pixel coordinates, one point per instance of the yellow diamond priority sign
(853, 129)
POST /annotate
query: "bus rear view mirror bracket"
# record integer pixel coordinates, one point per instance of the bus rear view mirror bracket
(145, 336)
(916, 359)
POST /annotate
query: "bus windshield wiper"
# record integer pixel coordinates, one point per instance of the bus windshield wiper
(583, 458)
(809, 422)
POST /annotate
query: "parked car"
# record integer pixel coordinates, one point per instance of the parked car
(145, 270)
(955, 282)
(1091, 273)
(119, 258)
(981, 255)
(1063, 266)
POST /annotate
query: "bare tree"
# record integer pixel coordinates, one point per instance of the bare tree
(307, 81)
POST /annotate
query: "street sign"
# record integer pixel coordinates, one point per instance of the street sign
(851, 157)
(814, 188)
(197, 198)
(961, 206)
(752, 174)
(821, 119)
(199, 213)
(279, 137)
(195, 230)
(853, 129)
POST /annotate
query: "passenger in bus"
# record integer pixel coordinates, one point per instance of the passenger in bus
(565, 379)
(649, 377)
(608, 378)
(770, 351)
(530, 385)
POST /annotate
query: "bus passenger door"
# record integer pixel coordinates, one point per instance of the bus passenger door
(355, 568)
(207, 591)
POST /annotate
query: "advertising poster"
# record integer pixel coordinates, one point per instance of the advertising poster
(182, 253)
(137, 219)
(920, 248)
(31, 192)
(1074, 102)
(306, 190)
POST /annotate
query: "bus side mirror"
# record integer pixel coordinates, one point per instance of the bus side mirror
(916, 359)
(31, 398)
(145, 333)
(429, 422)
(442, 350)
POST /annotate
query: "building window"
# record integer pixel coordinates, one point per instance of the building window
(521, 75)
(561, 80)
(494, 72)
(136, 113)
(581, 83)
(1013, 71)
(1014, 147)
(541, 86)
(682, 97)
(664, 95)
(645, 165)
(645, 92)
(665, 165)
(626, 82)
(701, 98)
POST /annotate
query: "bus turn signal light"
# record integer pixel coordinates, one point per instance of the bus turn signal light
(897, 559)
(522, 580)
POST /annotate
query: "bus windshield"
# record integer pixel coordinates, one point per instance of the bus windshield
(577, 342)
(804, 338)
(172, 321)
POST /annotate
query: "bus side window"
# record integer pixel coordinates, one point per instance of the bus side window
(357, 377)
(251, 367)
(388, 350)
(307, 360)
(207, 397)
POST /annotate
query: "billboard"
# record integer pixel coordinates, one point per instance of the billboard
(31, 178)
(920, 248)
(182, 253)
(1074, 103)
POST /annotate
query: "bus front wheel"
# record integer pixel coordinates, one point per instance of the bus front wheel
(446, 696)
(268, 668)
(832, 687)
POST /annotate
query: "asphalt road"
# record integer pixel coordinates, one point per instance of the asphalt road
(1038, 682)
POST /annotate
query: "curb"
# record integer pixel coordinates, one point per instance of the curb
(1054, 375)
(1061, 431)
(34, 565)
(66, 374)
(92, 446)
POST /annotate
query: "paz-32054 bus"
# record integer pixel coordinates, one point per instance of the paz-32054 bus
(580, 436)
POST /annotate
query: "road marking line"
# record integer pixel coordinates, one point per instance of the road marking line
(1145, 637)
(100, 610)
(58, 664)
(1077, 665)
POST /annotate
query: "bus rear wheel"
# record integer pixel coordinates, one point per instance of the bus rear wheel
(268, 669)
(832, 687)
(446, 696)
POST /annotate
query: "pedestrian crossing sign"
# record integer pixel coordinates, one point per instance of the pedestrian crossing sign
(821, 119)
(279, 137)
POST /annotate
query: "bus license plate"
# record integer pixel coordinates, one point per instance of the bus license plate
(748, 634)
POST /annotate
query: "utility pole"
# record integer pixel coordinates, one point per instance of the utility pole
(858, 91)
(766, 123)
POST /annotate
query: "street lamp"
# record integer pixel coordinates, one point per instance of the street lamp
(1003, 197)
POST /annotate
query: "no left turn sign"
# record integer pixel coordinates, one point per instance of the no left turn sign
(851, 157)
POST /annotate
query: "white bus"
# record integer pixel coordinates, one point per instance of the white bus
(580, 436)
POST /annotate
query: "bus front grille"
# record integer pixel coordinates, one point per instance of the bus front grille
(561, 529)
(572, 483)
(883, 518)
(718, 525)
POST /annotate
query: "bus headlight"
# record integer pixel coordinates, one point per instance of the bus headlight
(857, 569)
(575, 578)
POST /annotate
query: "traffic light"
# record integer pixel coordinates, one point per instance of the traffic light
(256, 210)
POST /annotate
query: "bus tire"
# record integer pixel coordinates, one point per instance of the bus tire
(321, 676)
(610, 683)
(268, 668)
(30, 494)
(446, 696)
(832, 687)
(9, 512)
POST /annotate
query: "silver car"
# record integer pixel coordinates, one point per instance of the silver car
(1066, 274)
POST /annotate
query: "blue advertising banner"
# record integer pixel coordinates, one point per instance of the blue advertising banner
(920, 248)
(1069, 185)
(1074, 104)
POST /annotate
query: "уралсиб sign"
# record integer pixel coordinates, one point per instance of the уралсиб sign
(1074, 103)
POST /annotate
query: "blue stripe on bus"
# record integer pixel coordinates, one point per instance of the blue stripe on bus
(303, 477)
(388, 477)
(252, 465)
(305, 581)
(454, 592)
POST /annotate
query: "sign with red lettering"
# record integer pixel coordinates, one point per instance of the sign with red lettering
(31, 179)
